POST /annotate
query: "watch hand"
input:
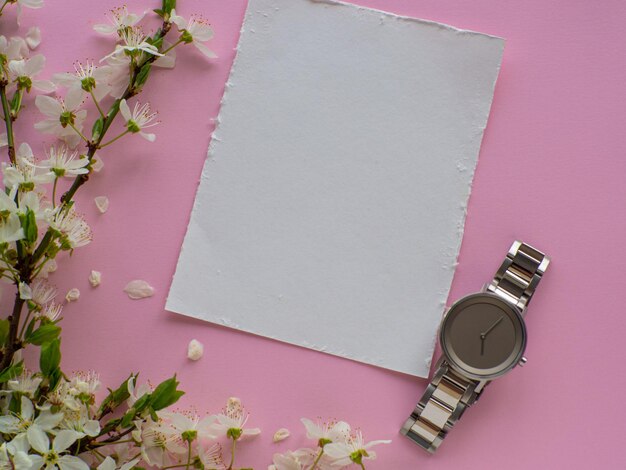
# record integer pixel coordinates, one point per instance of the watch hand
(482, 344)
(484, 334)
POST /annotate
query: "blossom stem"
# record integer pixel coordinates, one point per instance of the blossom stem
(114, 139)
(362, 466)
(317, 459)
(8, 118)
(188, 454)
(180, 41)
(232, 454)
(54, 192)
(78, 132)
(95, 100)
(28, 315)
(12, 345)
(6, 2)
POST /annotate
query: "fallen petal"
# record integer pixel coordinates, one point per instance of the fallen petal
(195, 350)
(281, 434)
(72, 295)
(102, 203)
(94, 278)
(139, 289)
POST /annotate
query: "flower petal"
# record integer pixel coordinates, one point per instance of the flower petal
(38, 439)
(139, 289)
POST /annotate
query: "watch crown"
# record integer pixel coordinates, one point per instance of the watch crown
(522, 361)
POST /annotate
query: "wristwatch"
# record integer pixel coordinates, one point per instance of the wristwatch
(482, 337)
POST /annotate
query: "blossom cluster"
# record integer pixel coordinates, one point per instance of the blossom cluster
(67, 429)
(47, 418)
(337, 446)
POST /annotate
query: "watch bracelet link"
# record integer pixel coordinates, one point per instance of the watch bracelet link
(446, 398)
(519, 275)
(449, 393)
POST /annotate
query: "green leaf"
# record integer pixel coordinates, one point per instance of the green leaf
(116, 397)
(50, 357)
(12, 371)
(96, 130)
(159, 12)
(142, 76)
(166, 394)
(29, 223)
(44, 334)
(128, 418)
(4, 330)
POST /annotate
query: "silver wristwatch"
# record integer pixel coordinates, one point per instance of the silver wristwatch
(482, 337)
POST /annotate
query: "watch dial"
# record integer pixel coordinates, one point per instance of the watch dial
(483, 335)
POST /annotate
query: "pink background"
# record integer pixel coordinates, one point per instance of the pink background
(551, 172)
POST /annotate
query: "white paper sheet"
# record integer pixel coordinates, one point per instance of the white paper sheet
(331, 206)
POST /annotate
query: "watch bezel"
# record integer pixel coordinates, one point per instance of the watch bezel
(493, 372)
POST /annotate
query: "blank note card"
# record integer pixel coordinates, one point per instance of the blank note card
(331, 206)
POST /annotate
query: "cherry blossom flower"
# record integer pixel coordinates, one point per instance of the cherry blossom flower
(24, 71)
(74, 230)
(54, 456)
(134, 40)
(65, 119)
(26, 384)
(25, 422)
(23, 174)
(87, 78)
(355, 450)
(13, 49)
(189, 426)
(141, 118)
(196, 31)
(159, 446)
(63, 162)
(301, 459)
(231, 421)
(120, 19)
(42, 293)
(211, 457)
(52, 311)
(327, 432)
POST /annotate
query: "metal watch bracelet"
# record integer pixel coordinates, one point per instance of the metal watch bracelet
(449, 393)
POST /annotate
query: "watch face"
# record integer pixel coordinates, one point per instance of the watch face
(483, 336)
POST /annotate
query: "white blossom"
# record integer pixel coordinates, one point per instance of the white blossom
(75, 231)
(55, 455)
(86, 77)
(355, 450)
(62, 115)
(141, 118)
(232, 420)
(134, 41)
(196, 31)
(120, 19)
(24, 72)
(63, 162)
